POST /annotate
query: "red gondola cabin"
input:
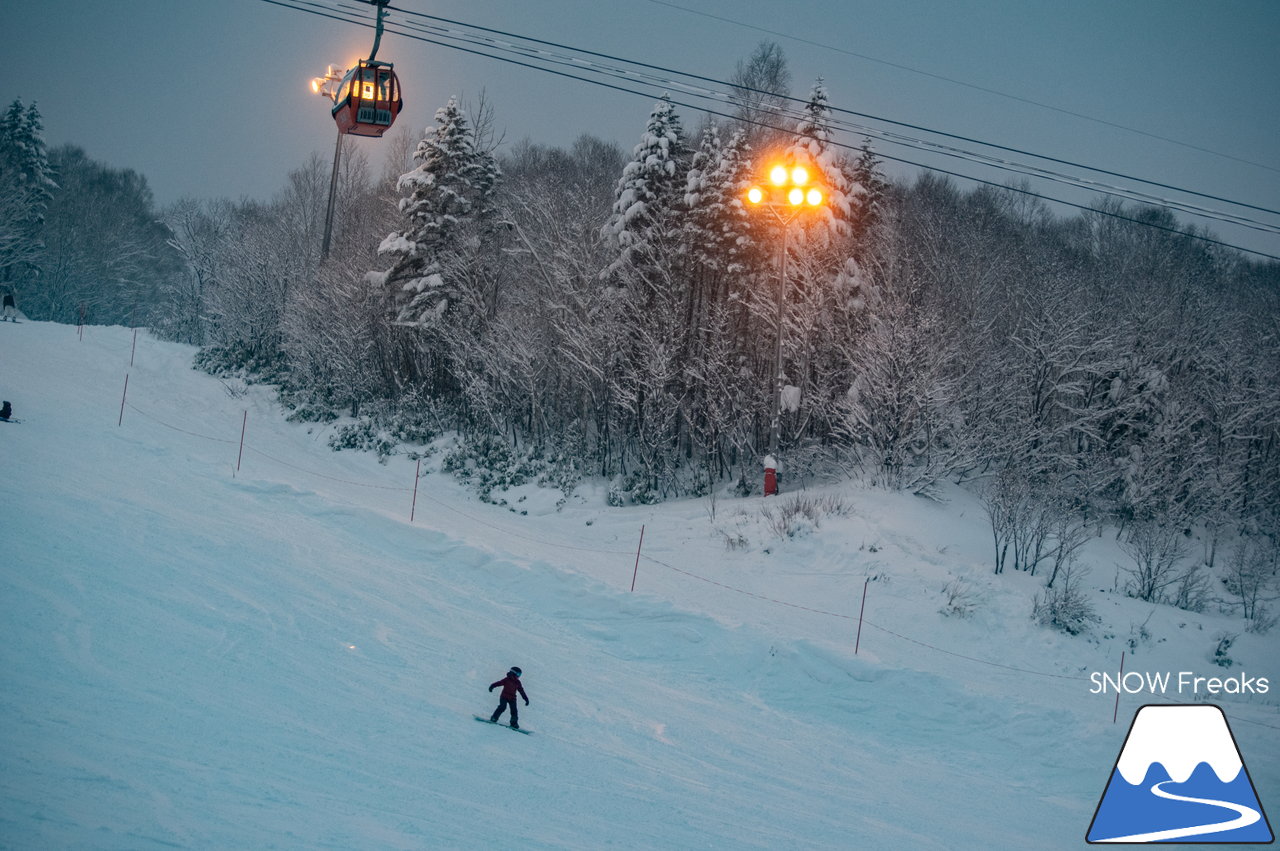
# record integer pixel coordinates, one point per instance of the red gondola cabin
(368, 99)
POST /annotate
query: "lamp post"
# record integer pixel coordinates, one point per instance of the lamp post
(789, 191)
(328, 86)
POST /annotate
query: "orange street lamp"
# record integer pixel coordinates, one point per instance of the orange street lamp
(328, 84)
(790, 192)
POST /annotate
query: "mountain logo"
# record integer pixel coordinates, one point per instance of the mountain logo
(1180, 778)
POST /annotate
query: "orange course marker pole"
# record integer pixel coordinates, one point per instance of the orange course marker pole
(243, 425)
(123, 396)
(858, 642)
(635, 572)
(416, 475)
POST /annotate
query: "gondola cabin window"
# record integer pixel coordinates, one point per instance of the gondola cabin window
(369, 99)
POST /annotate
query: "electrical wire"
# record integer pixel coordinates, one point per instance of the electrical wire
(840, 110)
(330, 12)
(968, 85)
(721, 97)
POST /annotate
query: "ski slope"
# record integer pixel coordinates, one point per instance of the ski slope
(201, 657)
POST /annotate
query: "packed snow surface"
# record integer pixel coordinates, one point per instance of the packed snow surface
(209, 648)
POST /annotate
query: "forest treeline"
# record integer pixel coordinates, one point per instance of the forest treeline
(591, 311)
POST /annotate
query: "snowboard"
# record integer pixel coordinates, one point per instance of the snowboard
(484, 720)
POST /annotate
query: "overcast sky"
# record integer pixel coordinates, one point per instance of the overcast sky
(209, 97)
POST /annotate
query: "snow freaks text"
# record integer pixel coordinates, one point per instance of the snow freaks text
(1181, 683)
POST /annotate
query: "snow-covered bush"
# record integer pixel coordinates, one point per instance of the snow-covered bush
(238, 359)
(1065, 606)
(639, 489)
(1262, 620)
(800, 514)
(1156, 549)
(1139, 634)
(488, 463)
(1191, 591)
(1251, 575)
(386, 425)
(833, 505)
(959, 598)
(563, 472)
(1222, 650)
(735, 540)
(788, 523)
(364, 435)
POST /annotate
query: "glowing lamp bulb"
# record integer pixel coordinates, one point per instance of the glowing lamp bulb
(814, 197)
(315, 85)
(778, 176)
(799, 175)
(755, 195)
(796, 196)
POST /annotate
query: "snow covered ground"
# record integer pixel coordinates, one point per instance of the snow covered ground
(277, 658)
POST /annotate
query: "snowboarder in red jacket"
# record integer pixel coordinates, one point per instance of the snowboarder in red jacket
(510, 685)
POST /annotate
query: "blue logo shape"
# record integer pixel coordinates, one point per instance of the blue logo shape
(1180, 778)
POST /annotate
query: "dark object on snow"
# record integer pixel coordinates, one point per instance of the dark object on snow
(6, 411)
(510, 686)
(484, 720)
(10, 306)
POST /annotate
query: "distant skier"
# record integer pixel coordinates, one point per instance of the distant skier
(510, 685)
(10, 306)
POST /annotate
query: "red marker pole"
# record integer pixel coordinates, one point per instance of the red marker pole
(416, 474)
(1116, 714)
(243, 425)
(636, 572)
(123, 396)
(858, 643)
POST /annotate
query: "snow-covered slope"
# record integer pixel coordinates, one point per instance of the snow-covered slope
(276, 657)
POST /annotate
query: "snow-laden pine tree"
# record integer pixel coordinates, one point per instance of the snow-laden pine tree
(718, 228)
(867, 174)
(647, 203)
(26, 185)
(812, 144)
(449, 202)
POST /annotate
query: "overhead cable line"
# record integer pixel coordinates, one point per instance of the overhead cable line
(836, 109)
(301, 6)
(892, 138)
(887, 136)
(973, 86)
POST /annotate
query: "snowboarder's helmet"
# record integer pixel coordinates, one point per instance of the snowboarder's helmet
(515, 671)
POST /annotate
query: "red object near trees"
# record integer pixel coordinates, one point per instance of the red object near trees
(368, 99)
(770, 481)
